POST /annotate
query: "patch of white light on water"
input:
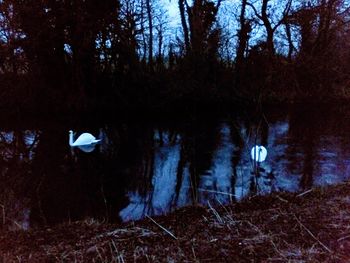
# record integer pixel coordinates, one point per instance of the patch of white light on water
(160, 199)
(278, 161)
(164, 178)
(137, 207)
(184, 194)
(333, 163)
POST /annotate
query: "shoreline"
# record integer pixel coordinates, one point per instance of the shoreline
(308, 226)
(170, 112)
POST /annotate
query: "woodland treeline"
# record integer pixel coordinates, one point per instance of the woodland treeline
(88, 54)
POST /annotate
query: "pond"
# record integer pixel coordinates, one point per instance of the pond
(152, 168)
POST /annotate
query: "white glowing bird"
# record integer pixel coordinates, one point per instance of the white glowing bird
(258, 153)
(85, 139)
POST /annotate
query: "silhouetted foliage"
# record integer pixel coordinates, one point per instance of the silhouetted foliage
(87, 55)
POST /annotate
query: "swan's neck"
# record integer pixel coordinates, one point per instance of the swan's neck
(71, 139)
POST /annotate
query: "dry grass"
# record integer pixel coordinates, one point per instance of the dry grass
(307, 227)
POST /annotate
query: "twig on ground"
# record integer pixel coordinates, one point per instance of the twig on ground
(312, 235)
(218, 217)
(282, 199)
(163, 228)
(343, 238)
(194, 254)
(304, 193)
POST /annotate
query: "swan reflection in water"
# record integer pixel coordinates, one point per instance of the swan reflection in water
(139, 169)
(87, 148)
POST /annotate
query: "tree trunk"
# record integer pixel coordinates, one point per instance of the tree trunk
(184, 24)
(268, 27)
(142, 24)
(150, 44)
(242, 41)
(290, 42)
(160, 44)
(242, 35)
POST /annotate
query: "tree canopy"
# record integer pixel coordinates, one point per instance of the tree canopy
(83, 54)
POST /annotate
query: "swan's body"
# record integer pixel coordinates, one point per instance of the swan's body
(84, 139)
(258, 153)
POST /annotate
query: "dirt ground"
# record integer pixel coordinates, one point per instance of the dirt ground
(313, 226)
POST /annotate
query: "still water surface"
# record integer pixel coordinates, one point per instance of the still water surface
(155, 167)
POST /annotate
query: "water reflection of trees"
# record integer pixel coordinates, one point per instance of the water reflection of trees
(53, 180)
(294, 144)
(179, 159)
(151, 169)
(317, 137)
(304, 135)
(208, 161)
(199, 164)
(137, 169)
(199, 142)
(17, 149)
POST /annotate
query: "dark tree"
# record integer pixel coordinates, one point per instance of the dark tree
(243, 37)
(184, 23)
(266, 19)
(150, 42)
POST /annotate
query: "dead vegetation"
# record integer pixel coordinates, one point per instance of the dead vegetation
(313, 226)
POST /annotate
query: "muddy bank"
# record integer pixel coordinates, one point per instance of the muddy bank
(313, 226)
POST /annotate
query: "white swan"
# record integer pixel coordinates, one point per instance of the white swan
(258, 153)
(85, 139)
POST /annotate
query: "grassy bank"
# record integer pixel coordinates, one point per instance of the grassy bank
(313, 226)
